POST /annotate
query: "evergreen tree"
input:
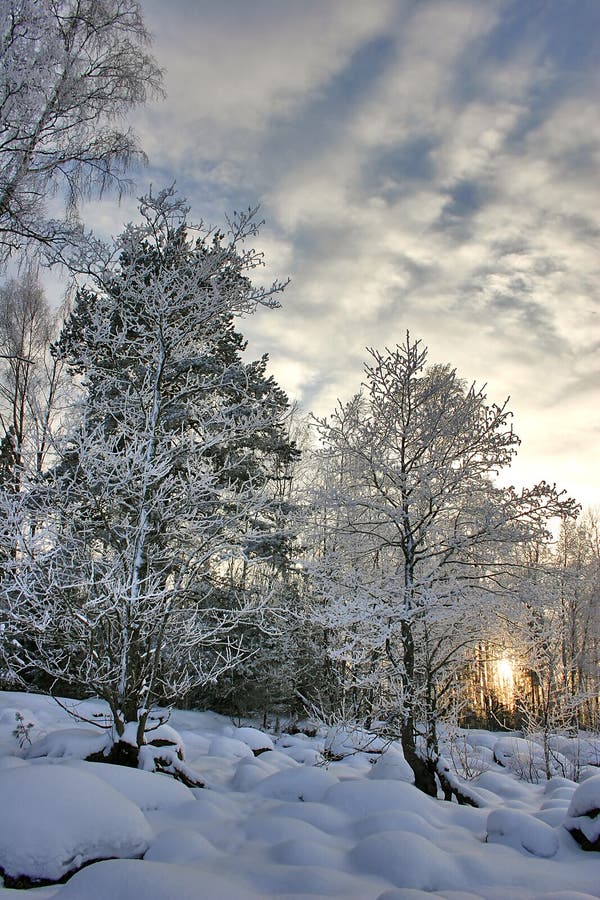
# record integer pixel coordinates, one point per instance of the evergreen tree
(167, 478)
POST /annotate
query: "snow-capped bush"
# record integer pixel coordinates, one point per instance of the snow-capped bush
(255, 739)
(583, 815)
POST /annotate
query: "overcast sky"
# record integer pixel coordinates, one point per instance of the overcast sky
(429, 165)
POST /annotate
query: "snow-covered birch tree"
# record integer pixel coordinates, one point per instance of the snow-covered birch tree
(30, 379)
(554, 626)
(422, 533)
(577, 558)
(121, 584)
(69, 71)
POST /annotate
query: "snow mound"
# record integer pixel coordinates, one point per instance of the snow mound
(123, 879)
(12, 762)
(230, 748)
(586, 798)
(518, 755)
(396, 820)
(407, 860)
(148, 790)
(306, 756)
(558, 786)
(306, 852)
(255, 739)
(249, 772)
(180, 845)
(580, 751)
(298, 784)
(496, 785)
(326, 819)
(8, 716)
(75, 743)
(210, 807)
(471, 761)
(554, 816)
(364, 798)
(56, 818)
(478, 738)
(583, 814)
(286, 740)
(521, 831)
(279, 760)
(413, 894)
(19, 726)
(565, 895)
(392, 766)
(164, 734)
(526, 759)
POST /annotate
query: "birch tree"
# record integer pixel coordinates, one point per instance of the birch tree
(30, 379)
(120, 587)
(556, 622)
(69, 71)
(422, 533)
(577, 560)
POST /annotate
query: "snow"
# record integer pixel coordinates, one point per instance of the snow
(584, 809)
(362, 798)
(341, 741)
(163, 733)
(391, 766)
(127, 879)
(249, 773)
(254, 738)
(525, 757)
(519, 830)
(407, 860)
(307, 783)
(11, 762)
(229, 747)
(147, 790)
(583, 750)
(69, 742)
(180, 845)
(285, 824)
(55, 818)
(586, 798)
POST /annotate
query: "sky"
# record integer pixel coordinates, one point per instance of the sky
(421, 165)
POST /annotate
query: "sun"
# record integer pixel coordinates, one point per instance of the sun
(505, 670)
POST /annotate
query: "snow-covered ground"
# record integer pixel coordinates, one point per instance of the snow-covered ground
(284, 823)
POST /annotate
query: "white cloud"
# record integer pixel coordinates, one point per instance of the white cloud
(421, 165)
(234, 68)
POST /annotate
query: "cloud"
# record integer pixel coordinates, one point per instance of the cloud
(234, 70)
(429, 165)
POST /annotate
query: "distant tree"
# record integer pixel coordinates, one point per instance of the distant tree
(30, 379)
(69, 69)
(577, 560)
(555, 623)
(421, 534)
(167, 480)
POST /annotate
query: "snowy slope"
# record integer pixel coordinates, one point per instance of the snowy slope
(275, 825)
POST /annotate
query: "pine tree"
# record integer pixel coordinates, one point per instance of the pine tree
(166, 480)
